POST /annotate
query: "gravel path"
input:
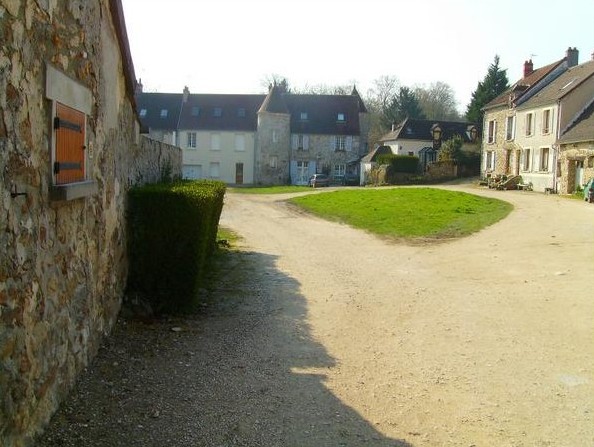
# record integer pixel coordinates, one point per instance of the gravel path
(327, 336)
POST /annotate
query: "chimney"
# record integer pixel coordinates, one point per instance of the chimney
(186, 93)
(571, 56)
(528, 68)
(593, 56)
(139, 87)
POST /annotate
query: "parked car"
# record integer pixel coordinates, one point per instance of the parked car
(317, 180)
(350, 180)
(589, 191)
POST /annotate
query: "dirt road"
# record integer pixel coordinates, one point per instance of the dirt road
(485, 341)
(327, 336)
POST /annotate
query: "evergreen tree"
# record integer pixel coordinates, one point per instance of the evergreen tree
(494, 83)
(402, 105)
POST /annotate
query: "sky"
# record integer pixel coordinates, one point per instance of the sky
(233, 46)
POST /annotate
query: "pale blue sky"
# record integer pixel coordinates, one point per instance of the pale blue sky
(230, 46)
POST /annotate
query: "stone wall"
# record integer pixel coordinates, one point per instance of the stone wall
(570, 157)
(63, 264)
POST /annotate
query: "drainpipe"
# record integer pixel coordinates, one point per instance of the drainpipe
(556, 147)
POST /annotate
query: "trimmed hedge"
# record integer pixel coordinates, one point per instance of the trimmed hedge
(172, 235)
(400, 163)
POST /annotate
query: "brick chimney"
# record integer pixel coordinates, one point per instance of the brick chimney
(528, 68)
(186, 93)
(572, 56)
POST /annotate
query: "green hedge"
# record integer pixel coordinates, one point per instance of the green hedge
(172, 235)
(400, 163)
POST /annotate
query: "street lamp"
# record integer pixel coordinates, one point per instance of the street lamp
(436, 136)
(473, 134)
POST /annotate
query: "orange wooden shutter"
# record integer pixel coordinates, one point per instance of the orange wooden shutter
(69, 162)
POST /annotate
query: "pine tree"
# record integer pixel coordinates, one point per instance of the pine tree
(403, 105)
(494, 83)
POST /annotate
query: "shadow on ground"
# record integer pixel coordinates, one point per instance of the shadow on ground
(227, 377)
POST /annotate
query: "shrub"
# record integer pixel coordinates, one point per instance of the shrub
(400, 163)
(172, 235)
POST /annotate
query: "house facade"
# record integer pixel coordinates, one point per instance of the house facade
(423, 138)
(543, 118)
(70, 149)
(270, 139)
(505, 132)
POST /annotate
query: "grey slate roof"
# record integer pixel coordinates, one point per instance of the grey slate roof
(237, 112)
(561, 86)
(415, 129)
(151, 105)
(583, 129)
(372, 156)
(240, 112)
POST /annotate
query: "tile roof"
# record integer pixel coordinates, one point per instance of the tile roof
(415, 129)
(372, 156)
(583, 129)
(561, 86)
(520, 87)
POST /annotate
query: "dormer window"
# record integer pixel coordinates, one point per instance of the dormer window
(241, 112)
(217, 111)
(195, 111)
(340, 118)
(164, 113)
(303, 116)
(142, 113)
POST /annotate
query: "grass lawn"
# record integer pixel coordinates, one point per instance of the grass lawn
(269, 189)
(411, 213)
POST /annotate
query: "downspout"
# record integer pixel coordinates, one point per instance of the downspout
(555, 147)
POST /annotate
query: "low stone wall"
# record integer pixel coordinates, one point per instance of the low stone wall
(441, 169)
(153, 160)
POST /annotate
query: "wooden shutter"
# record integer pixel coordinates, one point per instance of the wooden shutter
(294, 141)
(69, 160)
(305, 142)
(349, 143)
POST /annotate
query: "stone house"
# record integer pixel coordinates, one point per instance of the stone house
(423, 138)
(576, 155)
(270, 139)
(69, 150)
(543, 118)
(501, 154)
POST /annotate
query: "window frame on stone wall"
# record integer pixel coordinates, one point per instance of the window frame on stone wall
(339, 143)
(274, 136)
(339, 170)
(547, 122)
(273, 161)
(70, 152)
(526, 159)
(510, 128)
(490, 161)
(529, 124)
(491, 131)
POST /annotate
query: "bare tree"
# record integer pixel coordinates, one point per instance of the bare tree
(438, 101)
(381, 94)
(275, 79)
(325, 89)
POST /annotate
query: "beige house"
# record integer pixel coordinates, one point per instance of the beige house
(501, 154)
(544, 117)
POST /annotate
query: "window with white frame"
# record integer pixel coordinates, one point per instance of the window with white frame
(339, 170)
(340, 118)
(490, 163)
(303, 116)
(274, 136)
(529, 124)
(546, 121)
(491, 131)
(339, 143)
(142, 113)
(217, 111)
(240, 142)
(215, 169)
(215, 142)
(544, 159)
(191, 143)
(164, 113)
(526, 160)
(510, 128)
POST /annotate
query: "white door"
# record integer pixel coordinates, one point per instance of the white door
(579, 174)
(192, 172)
(302, 172)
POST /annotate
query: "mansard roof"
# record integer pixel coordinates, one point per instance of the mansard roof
(416, 129)
(221, 112)
(151, 105)
(274, 102)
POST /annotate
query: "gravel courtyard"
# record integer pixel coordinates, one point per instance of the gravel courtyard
(324, 335)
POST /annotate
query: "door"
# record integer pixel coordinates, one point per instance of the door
(239, 173)
(302, 172)
(579, 174)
